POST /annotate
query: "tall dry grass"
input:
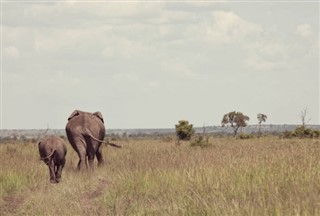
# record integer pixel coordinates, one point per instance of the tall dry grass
(266, 176)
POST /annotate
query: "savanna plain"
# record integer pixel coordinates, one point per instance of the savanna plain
(265, 176)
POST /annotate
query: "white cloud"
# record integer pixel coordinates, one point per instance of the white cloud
(126, 52)
(258, 63)
(304, 30)
(84, 14)
(180, 70)
(129, 76)
(59, 39)
(153, 84)
(125, 48)
(228, 27)
(11, 52)
(203, 4)
(222, 27)
(267, 55)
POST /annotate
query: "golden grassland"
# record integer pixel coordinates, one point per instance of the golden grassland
(266, 176)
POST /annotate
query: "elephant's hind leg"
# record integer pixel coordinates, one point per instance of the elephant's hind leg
(90, 159)
(59, 170)
(82, 162)
(58, 173)
(51, 166)
(82, 153)
(99, 157)
(90, 152)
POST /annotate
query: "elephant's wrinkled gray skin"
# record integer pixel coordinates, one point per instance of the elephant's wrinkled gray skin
(85, 133)
(53, 152)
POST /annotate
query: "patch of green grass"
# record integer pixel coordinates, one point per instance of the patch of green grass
(12, 182)
(17, 168)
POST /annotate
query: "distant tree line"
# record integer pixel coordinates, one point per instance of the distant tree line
(238, 120)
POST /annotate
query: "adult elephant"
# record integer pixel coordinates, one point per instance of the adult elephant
(85, 132)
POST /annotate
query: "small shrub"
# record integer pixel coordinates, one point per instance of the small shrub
(245, 136)
(287, 134)
(301, 132)
(184, 130)
(316, 133)
(200, 141)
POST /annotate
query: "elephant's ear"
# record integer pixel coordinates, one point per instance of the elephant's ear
(99, 115)
(75, 113)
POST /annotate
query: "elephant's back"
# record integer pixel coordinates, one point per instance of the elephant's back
(60, 145)
(74, 127)
(83, 124)
(48, 144)
(44, 147)
(84, 119)
(75, 122)
(96, 129)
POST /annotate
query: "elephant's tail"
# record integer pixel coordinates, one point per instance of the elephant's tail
(114, 145)
(49, 156)
(108, 143)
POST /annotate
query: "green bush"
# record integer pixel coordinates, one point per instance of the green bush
(301, 132)
(316, 134)
(184, 130)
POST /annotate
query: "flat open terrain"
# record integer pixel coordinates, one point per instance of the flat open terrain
(266, 176)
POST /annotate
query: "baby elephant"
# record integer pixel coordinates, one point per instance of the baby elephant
(53, 152)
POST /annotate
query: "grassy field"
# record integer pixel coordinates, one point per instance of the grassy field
(266, 176)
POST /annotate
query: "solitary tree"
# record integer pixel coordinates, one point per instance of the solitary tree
(261, 118)
(303, 117)
(303, 131)
(236, 120)
(184, 130)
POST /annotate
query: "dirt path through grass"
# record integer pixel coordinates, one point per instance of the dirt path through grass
(11, 204)
(89, 199)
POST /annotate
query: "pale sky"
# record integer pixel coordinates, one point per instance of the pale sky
(151, 64)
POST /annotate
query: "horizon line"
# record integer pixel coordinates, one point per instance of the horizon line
(160, 128)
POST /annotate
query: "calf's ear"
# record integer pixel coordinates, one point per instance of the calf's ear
(75, 113)
(99, 115)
